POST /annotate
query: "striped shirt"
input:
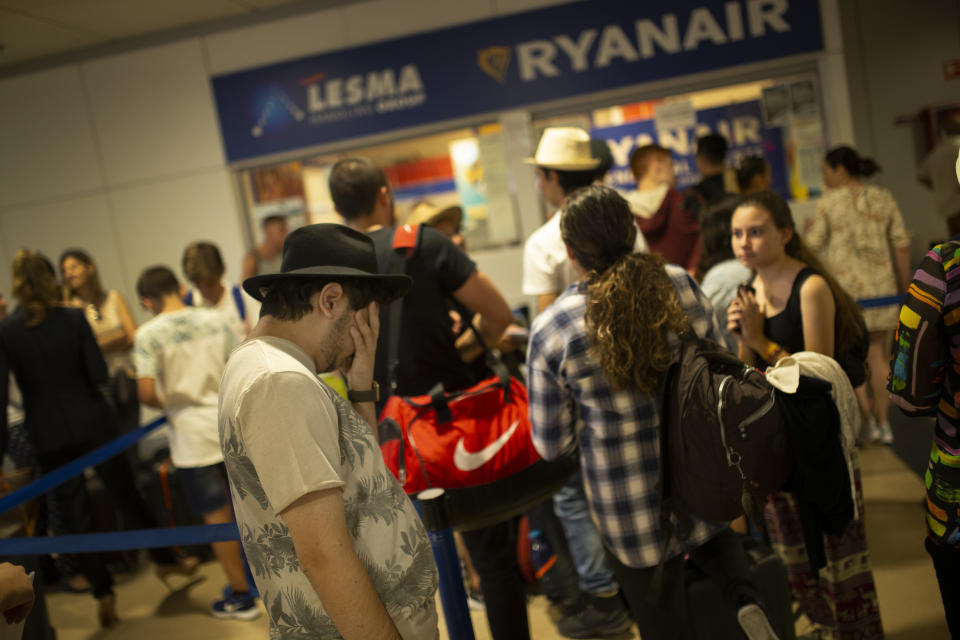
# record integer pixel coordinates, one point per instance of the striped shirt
(925, 379)
(572, 404)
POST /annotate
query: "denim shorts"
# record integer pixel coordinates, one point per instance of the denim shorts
(205, 487)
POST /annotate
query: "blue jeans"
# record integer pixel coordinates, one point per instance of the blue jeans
(586, 545)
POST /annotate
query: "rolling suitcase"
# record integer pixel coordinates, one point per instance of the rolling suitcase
(710, 616)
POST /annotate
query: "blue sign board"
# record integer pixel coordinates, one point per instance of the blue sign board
(741, 124)
(501, 63)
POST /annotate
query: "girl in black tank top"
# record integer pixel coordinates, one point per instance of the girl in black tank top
(842, 600)
(764, 239)
(786, 328)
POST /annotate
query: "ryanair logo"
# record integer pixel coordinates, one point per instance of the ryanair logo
(495, 61)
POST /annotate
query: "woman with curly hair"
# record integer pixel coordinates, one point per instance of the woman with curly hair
(57, 364)
(796, 305)
(595, 359)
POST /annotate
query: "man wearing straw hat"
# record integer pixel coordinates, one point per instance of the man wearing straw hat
(564, 164)
(336, 547)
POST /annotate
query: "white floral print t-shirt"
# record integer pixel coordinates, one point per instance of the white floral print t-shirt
(284, 434)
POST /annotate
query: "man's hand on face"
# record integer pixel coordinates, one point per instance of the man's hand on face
(364, 329)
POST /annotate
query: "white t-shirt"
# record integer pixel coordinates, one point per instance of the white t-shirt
(546, 266)
(286, 434)
(229, 310)
(185, 352)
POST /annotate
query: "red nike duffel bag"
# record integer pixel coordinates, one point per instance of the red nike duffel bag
(458, 439)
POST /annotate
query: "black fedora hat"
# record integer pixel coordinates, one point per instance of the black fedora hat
(328, 251)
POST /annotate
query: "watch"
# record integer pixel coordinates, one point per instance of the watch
(371, 395)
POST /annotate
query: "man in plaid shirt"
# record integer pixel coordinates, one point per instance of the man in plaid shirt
(616, 426)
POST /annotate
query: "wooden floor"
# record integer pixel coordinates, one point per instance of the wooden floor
(909, 599)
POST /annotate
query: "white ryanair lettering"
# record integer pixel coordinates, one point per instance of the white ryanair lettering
(599, 48)
(385, 90)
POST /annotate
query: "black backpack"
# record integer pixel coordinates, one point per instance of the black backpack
(723, 439)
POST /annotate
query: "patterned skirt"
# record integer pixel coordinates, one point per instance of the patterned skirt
(842, 600)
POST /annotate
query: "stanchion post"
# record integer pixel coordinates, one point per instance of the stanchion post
(453, 597)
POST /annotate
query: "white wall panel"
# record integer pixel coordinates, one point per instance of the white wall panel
(153, 112)
(46, 141)
(262, 44)
(157, 221)
(387, 19)
(82, 222)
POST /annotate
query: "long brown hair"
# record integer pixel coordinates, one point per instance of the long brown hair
(632, 305)
(34, 285)
(83, 258)
(849, 318)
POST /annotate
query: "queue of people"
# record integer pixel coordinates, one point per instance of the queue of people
(336, 547)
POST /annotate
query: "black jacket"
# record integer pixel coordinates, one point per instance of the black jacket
(58, 367)
(820, 481)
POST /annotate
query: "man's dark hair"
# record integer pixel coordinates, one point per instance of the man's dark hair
(712, 148)
(750, 167)
(354, 185)
(157, 282)
(571, 181)
(600, 150)
(290, 299)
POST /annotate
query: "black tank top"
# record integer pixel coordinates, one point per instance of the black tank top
(786, 329)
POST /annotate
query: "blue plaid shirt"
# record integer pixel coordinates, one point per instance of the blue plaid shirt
(571, 403)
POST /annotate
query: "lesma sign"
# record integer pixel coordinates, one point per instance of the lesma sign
(499, 64)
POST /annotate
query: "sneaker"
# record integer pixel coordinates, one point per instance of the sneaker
(754, 623)
(886, 433)
(236, 606)
(874, 430)
(596, 617)
(475, 600)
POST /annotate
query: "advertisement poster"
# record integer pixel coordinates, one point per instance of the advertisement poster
(741, 124)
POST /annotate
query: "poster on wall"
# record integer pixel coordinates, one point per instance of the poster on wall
(278, 190)
(804, 100)
(776, 106)
(740, 123)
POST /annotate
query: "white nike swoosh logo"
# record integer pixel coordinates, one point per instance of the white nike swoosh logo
(466, 461)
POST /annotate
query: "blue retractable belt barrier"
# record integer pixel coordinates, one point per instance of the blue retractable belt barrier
(886, 301)
(120, 540)
(76, 467)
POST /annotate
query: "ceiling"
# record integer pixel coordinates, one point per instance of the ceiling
(38, 33)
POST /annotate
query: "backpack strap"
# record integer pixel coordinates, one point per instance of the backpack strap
(405, 241)
(655, 590)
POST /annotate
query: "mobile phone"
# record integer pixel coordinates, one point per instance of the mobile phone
(740, 290)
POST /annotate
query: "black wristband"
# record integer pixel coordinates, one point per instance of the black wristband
(370, 395)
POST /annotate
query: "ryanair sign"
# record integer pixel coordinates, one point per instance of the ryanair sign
(499, 64)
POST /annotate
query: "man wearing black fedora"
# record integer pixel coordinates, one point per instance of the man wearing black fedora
(335, 546)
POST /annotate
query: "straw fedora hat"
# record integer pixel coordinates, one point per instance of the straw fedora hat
(328, 251)
(430, 214)
(564, 149)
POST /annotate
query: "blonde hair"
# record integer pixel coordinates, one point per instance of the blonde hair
(34, 285)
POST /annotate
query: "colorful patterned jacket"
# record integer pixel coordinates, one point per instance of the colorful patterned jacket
(925, 379)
